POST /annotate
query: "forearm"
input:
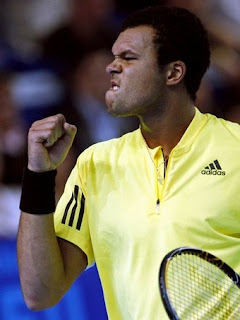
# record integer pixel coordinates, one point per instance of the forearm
(47, 266)
(41, 266)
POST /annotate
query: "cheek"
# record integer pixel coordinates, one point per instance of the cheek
(143, 86)
(145, 79)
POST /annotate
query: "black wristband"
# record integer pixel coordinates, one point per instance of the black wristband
(38, 192)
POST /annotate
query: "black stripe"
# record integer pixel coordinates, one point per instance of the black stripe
(66, 210)
(217, 165)
(80, 217)
(76, 190)
(212, 166)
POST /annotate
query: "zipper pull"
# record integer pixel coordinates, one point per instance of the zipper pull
(157, 206)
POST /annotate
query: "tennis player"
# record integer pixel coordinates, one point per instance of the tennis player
(128, 201)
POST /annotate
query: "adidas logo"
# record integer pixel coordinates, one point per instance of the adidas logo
(213, 168)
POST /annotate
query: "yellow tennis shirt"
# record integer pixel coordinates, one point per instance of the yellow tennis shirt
(109, 209)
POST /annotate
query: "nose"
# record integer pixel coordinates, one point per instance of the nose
(114, 67)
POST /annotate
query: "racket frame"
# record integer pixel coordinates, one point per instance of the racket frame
(201, 254)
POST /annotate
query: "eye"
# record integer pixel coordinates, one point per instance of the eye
(130, 58)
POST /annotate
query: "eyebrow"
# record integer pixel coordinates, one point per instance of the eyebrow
(124, 53)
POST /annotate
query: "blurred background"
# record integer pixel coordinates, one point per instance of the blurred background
(53, 55)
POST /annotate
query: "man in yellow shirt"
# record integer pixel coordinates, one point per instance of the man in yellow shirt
(128, 201)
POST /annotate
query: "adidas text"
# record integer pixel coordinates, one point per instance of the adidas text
(213, 172)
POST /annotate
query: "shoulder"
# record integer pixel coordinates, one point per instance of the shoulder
(223, 128)
(111, 148)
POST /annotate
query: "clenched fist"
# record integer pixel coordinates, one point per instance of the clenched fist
(49, 141)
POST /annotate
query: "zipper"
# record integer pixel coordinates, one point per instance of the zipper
(157, 210)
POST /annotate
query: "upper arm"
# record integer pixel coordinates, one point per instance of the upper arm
(74, 260)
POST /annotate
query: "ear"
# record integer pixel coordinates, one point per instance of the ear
(175, 72)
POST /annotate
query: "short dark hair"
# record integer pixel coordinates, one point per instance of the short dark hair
(180, 35)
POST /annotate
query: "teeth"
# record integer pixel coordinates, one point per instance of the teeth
(115, 88)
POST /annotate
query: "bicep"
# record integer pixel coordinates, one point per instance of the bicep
(74, 260)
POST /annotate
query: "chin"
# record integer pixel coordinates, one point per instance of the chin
(117, 109)
(120, 113)
(114, 113)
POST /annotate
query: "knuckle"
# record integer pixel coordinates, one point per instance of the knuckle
(31, 130)
(59, 117)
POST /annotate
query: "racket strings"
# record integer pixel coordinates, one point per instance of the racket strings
(200, 290)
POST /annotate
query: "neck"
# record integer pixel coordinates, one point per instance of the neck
(167, 128)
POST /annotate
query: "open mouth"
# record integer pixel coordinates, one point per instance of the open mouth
(114, 86)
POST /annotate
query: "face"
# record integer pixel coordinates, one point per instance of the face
(137, 86)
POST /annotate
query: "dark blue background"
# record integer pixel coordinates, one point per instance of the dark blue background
(83, 301)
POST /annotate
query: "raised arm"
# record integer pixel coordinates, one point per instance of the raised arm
(47, 265)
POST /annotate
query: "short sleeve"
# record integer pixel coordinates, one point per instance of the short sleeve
(71, 217)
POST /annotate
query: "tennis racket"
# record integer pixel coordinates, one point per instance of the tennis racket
(196, 285)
